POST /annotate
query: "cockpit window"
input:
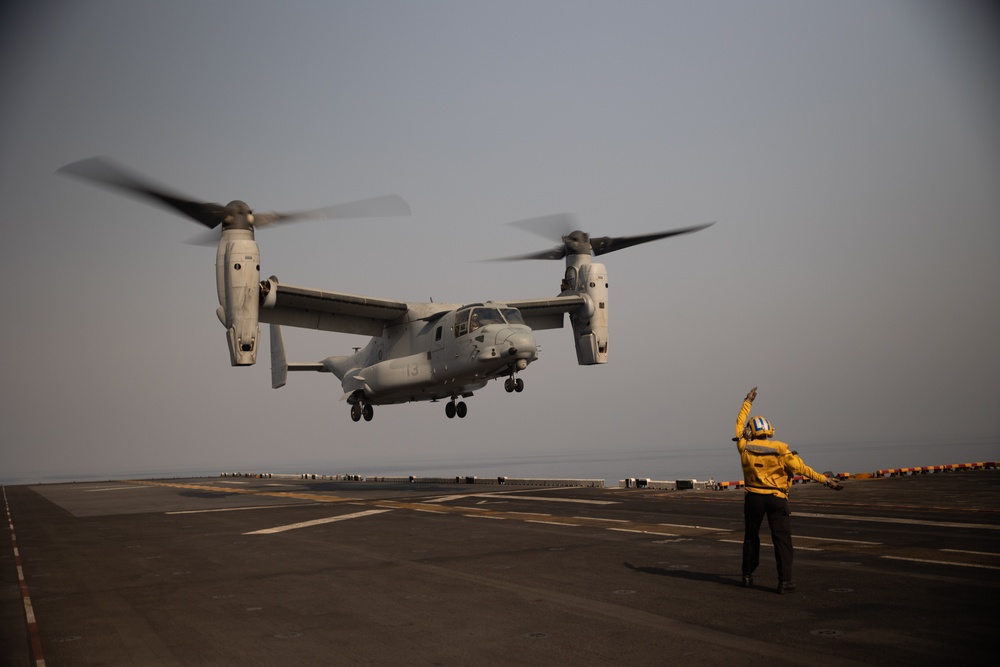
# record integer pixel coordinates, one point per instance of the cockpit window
(483, 316)
(468, 320)
(512, 315)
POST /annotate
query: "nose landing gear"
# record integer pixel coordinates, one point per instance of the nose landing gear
(513, 384)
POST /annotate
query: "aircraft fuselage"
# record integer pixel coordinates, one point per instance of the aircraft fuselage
(446, 356)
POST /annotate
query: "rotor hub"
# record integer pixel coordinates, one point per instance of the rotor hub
(238, 215)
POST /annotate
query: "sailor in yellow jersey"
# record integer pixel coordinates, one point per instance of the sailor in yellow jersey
(768, 467)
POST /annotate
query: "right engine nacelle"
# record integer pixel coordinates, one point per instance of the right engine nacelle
(590, 325)
(237, 274)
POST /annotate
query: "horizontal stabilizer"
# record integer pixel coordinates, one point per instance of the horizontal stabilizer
(280, 365)
(312, 366)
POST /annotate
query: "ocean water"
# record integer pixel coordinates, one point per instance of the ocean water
(720, 462)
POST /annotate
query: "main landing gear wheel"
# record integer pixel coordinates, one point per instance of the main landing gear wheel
(452, 409)
(512, 384)
(359, 410)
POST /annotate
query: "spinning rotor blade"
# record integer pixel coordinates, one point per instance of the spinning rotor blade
(104, 172)
(556, 253)
(386, 206)
(376, 207)
(555, 227)
(552, 227)
(578, 242)
(606, 244)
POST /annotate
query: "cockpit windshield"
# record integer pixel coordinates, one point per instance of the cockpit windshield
(512, 315)
(469, 319)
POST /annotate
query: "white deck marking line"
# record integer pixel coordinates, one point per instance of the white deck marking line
(444, 499)
(484, 516)
(553, 523)
(974, 553)
(680, 525)
(505, 495)
(581, 501)
(644, 532)
(834, 539)
(31, 623)
(315, 522)
(885, 519)
(771, 546)
(594, 518)
(942, 562)
(114, 488)
(239, 509)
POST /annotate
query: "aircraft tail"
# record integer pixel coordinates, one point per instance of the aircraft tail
(279, 363)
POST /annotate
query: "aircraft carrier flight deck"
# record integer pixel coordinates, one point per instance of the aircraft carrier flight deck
(241, 571)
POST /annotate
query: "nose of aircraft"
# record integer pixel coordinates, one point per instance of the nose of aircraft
(521, 344)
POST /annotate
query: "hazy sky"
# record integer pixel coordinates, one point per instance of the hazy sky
(849, 150)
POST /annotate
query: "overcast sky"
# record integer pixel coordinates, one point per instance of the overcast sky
(849, 151)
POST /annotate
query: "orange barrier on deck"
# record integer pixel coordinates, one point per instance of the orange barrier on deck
(925, 470)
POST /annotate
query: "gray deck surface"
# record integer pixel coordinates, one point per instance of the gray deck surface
(178, 572)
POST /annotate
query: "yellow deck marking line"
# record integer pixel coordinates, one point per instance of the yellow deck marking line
(113, 488)
(252, 492)
(239, 509)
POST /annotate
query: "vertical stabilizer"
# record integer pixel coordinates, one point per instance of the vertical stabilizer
(279, 363)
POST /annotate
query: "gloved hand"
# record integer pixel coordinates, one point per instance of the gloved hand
(752, 394)
(834, 484)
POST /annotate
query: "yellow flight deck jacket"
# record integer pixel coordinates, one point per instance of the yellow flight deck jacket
(768, 465)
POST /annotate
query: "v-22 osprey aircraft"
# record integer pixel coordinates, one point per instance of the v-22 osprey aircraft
(418, 351)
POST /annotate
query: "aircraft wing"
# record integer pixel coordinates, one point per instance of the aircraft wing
(547, 313)
(309, 308)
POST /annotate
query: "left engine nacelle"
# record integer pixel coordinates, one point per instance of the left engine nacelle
(237, 279)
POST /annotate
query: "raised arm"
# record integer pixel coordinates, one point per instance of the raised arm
(741, 419)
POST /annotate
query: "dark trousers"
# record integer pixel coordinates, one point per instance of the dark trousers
(779, 520)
